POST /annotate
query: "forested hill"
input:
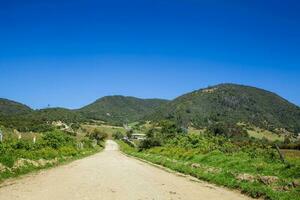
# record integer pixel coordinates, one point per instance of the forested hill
(227, 103)
(9, 107)
(121, 109)
(111, 109)
(231, 103)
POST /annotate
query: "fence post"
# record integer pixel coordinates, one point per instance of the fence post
(280, 154)
(80, 146)
(1, 136)
(94, 143)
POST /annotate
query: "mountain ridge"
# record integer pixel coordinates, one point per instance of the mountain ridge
(230, 103)
(10, 107)
(120, 109)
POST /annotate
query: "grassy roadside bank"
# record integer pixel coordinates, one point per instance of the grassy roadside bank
(30, 166)
(254, 177)
(19, 157)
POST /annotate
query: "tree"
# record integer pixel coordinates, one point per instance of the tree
(226, 129)
(98, 135)
(57, 139)
(169, 129)
(117, 135)
(287, 140)
(75, 126)
(129, 133)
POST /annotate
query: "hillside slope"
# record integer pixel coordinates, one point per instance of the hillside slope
(232, 103)
(9, 107)
(228, 103)
(55, 114)
(18, 116)
(112, 109)
(121, 109)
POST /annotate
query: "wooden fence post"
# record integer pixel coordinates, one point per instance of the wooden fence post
(280, 154)
(1, 136)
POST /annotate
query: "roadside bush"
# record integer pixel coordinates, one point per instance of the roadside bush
(169, 129)
(46, 153)
(8, 159)
(87, 142)
(24, 144)
(68, 151)
(129, 133)
(149, 143)
(57, 139)
(226, 129)
(117, 135)
(1, 148)
(23, 156)
(98, 135)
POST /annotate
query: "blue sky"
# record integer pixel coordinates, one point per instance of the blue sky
(69, 53)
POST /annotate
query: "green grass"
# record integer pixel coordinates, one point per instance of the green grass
(222, 169)
(260, 134)
(19, 157)
(291, 154)
(110, 130)
(195, 131)
(62, 160)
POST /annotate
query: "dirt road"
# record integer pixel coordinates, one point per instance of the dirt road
(110, 175)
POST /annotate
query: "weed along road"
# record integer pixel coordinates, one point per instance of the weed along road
(110, 175)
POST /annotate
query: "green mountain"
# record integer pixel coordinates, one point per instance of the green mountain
(111, 109)
(18, 116)
(232, 103)
(121, 109)
(228, 103)
(57, 114)
(8, 107)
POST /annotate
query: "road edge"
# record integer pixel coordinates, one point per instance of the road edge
(188, 177)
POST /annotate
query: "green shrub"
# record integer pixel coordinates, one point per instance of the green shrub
(98, 135)
(87, 142)
(226, 129)
(1, 148)
(169, 129)
(52, 145)
(208, 157)
(68, 151)
(8, 159)
(117, 135)
(46, 153)
(149, 143)
(24, 144)
(57, 139)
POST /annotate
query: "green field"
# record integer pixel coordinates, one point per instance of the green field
(261, 134)
(110, 130)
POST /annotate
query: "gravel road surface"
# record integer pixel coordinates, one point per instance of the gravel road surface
(111, 175)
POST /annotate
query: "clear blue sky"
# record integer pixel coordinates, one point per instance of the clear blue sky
(69, 53)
